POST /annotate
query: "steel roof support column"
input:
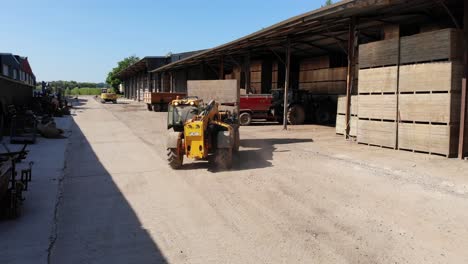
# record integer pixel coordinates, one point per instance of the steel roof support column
(221, 68)
(461, 144)
(138, 86)
(286, 84)
(351, 72)
(171, 84)
(247, 73)
(148, 82)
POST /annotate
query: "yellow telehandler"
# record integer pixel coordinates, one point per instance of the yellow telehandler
(201, 132)
(107, 95)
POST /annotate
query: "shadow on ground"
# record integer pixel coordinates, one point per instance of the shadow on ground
(95, 223)
(259, 152)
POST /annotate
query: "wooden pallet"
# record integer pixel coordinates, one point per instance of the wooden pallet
(341, 125)
(441, 139)
(330, 87)
(341, 105)
(314, 63)
(377, 133)
(430, 107)
(382, 106)
(437, 76)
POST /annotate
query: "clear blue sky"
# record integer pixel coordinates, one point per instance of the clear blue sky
(83, 39)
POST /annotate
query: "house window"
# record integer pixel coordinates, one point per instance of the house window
(5, 70)
(15, 74)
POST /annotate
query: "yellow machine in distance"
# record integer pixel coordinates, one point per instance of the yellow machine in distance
(108, 96)
(200, 132)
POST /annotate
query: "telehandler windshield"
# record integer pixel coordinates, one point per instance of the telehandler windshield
(178, 115)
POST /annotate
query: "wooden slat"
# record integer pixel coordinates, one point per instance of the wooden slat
(256, 87)
(314, 63)
(377, 106)
(377, 133)
(437, 107)
(341, 108)
(274, 66)
(378, 80)
(256, 66)
(256, 76)
(379, 53)
(429, 46)
(441, 76)
(391, 31)
(341, 122)
(336, 87)
(437, 139)
(330, 74)
(274, 76)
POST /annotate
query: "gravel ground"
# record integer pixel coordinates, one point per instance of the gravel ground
(299, 196)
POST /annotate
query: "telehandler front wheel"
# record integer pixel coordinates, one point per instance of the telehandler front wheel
(223, 159)
(174, 158)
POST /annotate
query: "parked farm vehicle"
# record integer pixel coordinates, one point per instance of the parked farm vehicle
(108, 96)
(159, 101)
(303, 106)
(255, 106)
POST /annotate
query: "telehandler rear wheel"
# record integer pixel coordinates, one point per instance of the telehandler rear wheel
(174, 159)
(223, 159)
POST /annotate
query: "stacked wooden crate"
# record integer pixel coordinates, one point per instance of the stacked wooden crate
(274, 76)
(316, 76)
(420, 89)
(429, 92)
(256, 76)
(341, 116)
(377, 100)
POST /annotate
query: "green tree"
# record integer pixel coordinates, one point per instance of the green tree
(112, 78)
(328, 2)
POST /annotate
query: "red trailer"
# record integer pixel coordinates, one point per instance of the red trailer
(159, 101)
(255, 106)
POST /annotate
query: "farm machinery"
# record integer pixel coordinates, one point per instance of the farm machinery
(108, 96)
(158, 102)
(13, 185)
(202, 131)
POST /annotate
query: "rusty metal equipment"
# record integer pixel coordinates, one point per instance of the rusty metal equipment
(12, 186)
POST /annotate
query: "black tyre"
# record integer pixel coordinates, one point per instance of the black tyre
(245, 119)
(322, 116)
(296, 115)
(174, 159)
(114, 102)
(157, 107)
(223, 159)
(150, 107)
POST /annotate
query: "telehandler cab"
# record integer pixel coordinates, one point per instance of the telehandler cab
(201, 132)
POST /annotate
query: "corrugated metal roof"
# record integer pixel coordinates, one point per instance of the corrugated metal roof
(324, 24)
